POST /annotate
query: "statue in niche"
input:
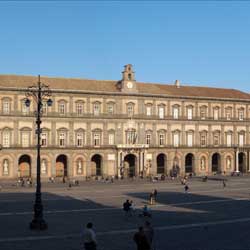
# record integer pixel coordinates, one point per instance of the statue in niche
(43, 167)
(5, 167)
(229, 163)
(79, 167)
(203, 163)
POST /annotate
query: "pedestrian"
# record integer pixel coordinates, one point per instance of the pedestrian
(186, 188)
(132, 208)
(151, 197)
(149, 233)
(89, 237)
(146, 212)
(155, 195)
(224, 183)
(141, 240)
(126, 207)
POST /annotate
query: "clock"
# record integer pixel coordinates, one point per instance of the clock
(130, 85)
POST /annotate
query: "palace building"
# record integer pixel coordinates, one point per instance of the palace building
(123, 128)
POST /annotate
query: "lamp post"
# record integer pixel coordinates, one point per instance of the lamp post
(39, 93)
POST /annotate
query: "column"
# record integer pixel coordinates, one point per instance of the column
(248, 154)
(237, 160)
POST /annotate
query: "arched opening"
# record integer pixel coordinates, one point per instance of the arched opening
(130, 165)
(161, 164)
(24, 166)
(189, 163)
(242, 162)
(97, 165)
(216, 163)
(61, 166)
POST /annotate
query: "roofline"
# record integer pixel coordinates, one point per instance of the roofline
(130, 94)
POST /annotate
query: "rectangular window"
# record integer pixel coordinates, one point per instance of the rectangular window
(131, 137)
(45, 108)
(161, 139)
(96, 108)
(62, 108)
(190, 113)
(241, 140)
(25, 109)
(216, 140)
(190, 140)
(110, 109)
(241, 115)
(62, 137)
(97, 139)
(176, 113)
(44, 139)
(176, 140)
(6, 139)
(149, 110)
(203, 114)
(228, 115)
(229, 140)
(148, 139)
(203, 140)
(25, 139)
(216, 114)
(6, 107)
(79, 139)
(111, 139)
(130, 110)
(79, 108)
(161, 112)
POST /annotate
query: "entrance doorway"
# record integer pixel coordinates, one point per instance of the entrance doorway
(61, 166)
(189, 163)
(130, 165)
(24, 166)
(216, 163)
(242, 162)
(97, 165)
(161, 164)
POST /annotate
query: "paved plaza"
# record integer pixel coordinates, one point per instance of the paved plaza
(208, 217)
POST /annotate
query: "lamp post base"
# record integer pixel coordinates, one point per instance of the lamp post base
(38, 225)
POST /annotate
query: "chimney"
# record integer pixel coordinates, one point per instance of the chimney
(177, 84)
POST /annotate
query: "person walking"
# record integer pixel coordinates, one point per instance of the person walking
(186, 188)
(89, 237)
(149, 233)
(127, 208)
(224, 183)
(141, 240)
(151, 198)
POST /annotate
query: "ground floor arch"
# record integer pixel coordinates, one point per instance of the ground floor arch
(161, 161)
(189, 163)
(96, 165)
(61, 166)
(129, 165)
(24, 166)
(216, 163)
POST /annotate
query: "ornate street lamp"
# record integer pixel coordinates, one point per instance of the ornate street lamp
(40, 94)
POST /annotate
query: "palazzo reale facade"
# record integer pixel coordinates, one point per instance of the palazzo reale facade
(123, 128)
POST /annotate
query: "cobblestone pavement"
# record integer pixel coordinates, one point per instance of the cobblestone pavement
(208, 217)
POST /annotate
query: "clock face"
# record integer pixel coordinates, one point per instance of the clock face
(129, 85)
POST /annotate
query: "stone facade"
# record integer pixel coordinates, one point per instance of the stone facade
(123, 128)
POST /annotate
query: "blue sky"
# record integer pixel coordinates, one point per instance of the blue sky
(200, 43)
